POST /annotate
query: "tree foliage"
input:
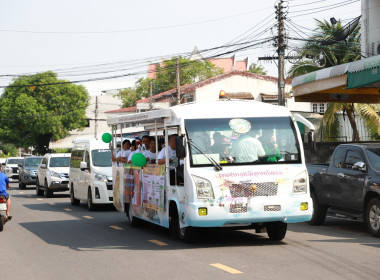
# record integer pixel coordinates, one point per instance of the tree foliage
(258, 69)
(190, 72)
(39, 108)
(8, 150)
(335, 54)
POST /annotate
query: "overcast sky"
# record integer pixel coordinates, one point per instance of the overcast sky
(95, 39)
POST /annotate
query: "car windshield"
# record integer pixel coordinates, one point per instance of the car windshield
(241, 141)
(15, 161)
(34, 161)
(374, 157)
(101, 157)
(60, 162)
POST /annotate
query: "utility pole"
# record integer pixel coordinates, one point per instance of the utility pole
(178, 84)
(150, 95)
(96, 117)
(281, 54)
(281, 47)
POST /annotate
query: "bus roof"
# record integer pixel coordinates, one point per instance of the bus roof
(205, 110)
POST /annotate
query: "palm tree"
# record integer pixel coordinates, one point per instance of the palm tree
(335, 54)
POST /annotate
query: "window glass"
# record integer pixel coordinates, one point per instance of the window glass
(101, 157)
(339, 157)
(33, 161)
(15, 161)
(242, 141)
(59, 162)
(76, 158)
(374, 158)
(352, 157)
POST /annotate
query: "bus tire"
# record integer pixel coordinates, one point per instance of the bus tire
(276, 230)
(185, 234)
(133, 221)
(319, 212)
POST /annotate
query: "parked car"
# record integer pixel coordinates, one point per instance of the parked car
(10, 168)
(349, 186)
(28, 171)
(53, 174)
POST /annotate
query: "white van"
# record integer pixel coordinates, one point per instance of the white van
(91, 173)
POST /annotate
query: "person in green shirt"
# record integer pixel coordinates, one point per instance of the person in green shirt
(272, 151)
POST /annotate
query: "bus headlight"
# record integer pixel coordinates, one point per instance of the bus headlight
(203, 187)
(300, 183)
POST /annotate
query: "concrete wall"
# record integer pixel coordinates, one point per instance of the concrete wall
(235, 84)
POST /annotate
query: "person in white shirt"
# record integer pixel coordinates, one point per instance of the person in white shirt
(114, 153)
(172, 153)
(151, 153)
(247, 149)
(123, 154)
(133, 151)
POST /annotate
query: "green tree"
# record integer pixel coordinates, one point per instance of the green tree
(190, 72)
(335, 54)
(128, 96)
(39, 108)
(258, 69)
(8, 150)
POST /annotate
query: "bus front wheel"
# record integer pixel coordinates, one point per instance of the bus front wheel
(185, 234)
(276, 230)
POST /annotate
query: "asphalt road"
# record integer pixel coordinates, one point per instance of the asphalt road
(50, 239)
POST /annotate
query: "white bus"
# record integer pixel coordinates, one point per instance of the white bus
(218, 179)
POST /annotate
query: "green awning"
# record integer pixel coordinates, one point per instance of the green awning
(364, 73)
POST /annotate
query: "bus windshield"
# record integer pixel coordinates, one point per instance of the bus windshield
(101, 157)
(242, 141)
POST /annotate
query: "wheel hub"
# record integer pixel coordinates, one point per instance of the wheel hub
(374, 217)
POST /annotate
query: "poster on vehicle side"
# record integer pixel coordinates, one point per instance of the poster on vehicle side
(153, 179)
(118, 188)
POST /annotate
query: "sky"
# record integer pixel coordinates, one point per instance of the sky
(90, 41)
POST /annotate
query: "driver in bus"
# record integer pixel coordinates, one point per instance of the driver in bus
(247, 148)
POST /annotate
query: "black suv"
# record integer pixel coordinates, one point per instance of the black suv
(28, 171)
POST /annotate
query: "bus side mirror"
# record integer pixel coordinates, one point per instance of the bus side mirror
(180, 146)
(311, 141)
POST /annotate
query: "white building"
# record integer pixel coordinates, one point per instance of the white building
(97, 120)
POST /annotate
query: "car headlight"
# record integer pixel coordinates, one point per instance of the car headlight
(203, 187)
(100, 177)
(28, 172)
(55, 174)
(300, 183)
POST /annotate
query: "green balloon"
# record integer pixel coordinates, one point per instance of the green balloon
(138, 159)
(106, 137)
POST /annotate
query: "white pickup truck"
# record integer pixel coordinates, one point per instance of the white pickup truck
(10, 168)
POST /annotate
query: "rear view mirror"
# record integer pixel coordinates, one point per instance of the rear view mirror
(19, 165)
(83, 165)
(180, 146)
(359, 166)
(43, 166)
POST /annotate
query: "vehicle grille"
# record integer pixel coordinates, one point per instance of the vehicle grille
(253, 189)
(109, 186)
(272, 208)
(238, 209)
